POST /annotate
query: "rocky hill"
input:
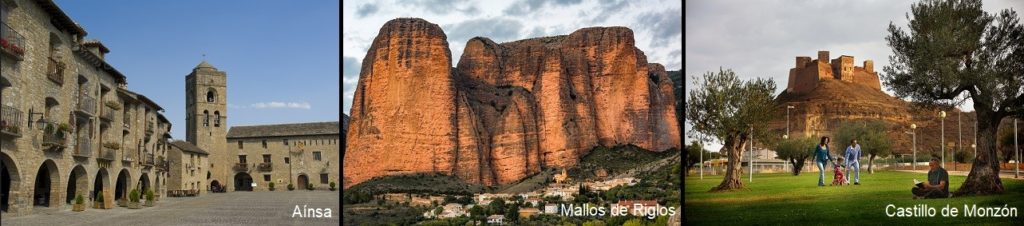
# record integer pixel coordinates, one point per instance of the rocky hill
(507, 110)
(820, 109)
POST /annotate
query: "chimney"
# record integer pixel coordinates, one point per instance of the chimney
(869, 66)
(96, 47)
(823, 56)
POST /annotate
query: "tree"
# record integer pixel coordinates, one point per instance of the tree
(722, 107)
(955, 48)
(796, 151)
(477, 212)
(871, 135)
(497, 206)
(1005, 146)
(512, 214)
(693, 153)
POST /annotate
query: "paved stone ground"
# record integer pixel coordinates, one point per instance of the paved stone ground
(233, 208)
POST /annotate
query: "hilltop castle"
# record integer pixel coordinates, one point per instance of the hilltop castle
(806, 74)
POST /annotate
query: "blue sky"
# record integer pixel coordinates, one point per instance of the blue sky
(281, 57)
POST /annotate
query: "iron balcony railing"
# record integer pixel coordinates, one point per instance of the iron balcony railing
(12, 42)
(241, 166)
(265, 166)
(10, 121)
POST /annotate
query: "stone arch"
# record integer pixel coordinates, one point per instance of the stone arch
(303, 181)
(143, 183)
(46, 188)
(243, 182)
(216, 118)
(51, 104)
(124, 178)
(102, 184)
(211, 95)
(78, 183)
(10, 180)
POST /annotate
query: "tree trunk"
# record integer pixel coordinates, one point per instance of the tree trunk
(797, 165)
(734, 146)
(984, 176)
(871, 164)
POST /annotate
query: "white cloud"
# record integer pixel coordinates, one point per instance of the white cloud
(275, 104)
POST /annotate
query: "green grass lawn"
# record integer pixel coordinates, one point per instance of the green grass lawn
(785, 199)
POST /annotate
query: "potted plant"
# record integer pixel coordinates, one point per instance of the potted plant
(123, 202)
(79, 203)
(271, 186)
(134, 196)
(291, 187)
(98, 202)
(332, 185)
(310, 187)
(149, 198)
(49, 129)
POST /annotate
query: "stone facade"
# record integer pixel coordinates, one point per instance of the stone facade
(285, 154)
(807, 74)
(190, 167)
(70, 125)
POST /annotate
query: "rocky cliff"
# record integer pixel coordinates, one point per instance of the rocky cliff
(507, 110)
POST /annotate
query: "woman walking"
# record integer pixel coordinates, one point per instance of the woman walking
(822, 156)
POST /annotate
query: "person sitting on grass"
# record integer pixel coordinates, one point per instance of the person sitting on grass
(937, 185)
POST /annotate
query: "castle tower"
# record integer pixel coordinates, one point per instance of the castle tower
(842, 68)
(869, 66)
(206, 118)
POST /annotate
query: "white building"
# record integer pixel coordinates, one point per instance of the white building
(495, 219)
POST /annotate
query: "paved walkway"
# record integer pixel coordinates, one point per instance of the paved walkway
(233, 208)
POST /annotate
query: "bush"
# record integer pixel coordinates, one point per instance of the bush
(291, 187)
(134, 195)
(310, 187)
(149, 195)
(332, 185)
(271, 185)
(79, 200)
(99, 197)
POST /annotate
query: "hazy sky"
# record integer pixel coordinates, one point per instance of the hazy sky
(281, 58)
(762, 38)
(657, 25)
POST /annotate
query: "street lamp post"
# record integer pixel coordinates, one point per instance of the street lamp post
(913, 129)
(702, 160)
(942, 144)
(959, 139)
(751, 154)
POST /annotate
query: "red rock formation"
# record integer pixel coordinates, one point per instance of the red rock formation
(508, 109)
(404, 107)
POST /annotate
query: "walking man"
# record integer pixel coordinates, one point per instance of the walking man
(853, 162)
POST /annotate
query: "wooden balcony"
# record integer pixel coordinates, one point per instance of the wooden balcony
(83, 148)
(55, 71)
(86, 105)
(108, 114)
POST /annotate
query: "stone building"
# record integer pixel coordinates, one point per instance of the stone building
(298, 154)
(248, 158)
(806, 74)
(69, 123)
(188, 162)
